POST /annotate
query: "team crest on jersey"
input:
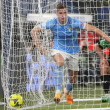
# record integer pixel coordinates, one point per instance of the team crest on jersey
(69, 29)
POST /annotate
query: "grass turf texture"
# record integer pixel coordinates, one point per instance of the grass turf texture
(1, 100)
(81, 92)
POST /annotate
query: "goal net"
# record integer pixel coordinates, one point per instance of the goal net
(31, 74)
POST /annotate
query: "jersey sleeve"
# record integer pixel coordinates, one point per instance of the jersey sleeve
(78, 24)
(47, 25)
(103, 44)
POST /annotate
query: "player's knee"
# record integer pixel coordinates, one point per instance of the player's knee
(71, 81)
(58, 59)
(104, 71)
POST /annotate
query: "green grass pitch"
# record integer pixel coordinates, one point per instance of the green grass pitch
(78, 92)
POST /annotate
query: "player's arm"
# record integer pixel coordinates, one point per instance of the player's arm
(89, 27)
(100, 54)
(99, 51)
(34, 33)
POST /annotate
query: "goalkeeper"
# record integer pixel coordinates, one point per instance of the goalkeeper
(104, 68)
(65, 47)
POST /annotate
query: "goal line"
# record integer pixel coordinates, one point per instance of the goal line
(2, 103)
(96, 99)
(88, 109)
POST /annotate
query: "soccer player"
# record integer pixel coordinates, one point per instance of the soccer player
(104, 68)
(65, 47)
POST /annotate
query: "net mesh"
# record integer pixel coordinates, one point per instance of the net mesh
(29, 73)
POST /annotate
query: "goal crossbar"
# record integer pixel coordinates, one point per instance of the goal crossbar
(45, 17)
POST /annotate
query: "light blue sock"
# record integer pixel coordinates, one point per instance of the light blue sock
(58, 76)
(69, 86)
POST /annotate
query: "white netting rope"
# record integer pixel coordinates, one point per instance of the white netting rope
(43, 96)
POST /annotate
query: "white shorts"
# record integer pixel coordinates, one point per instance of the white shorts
(71, 61)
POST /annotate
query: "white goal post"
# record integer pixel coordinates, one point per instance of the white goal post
(31, 74)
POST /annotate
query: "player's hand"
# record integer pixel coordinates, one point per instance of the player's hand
(103, 62)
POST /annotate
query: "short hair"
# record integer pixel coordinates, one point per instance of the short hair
(61, 6)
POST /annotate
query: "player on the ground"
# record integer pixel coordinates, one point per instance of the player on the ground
(104, 68)
(65, 47)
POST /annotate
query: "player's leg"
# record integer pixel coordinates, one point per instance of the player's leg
(70, 82)
(104, 70)
(58, 58)
(73, 68)
(70, 85)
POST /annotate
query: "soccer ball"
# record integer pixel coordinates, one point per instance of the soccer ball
(16, 101)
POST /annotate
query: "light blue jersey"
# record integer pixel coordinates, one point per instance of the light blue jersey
(65, 36)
